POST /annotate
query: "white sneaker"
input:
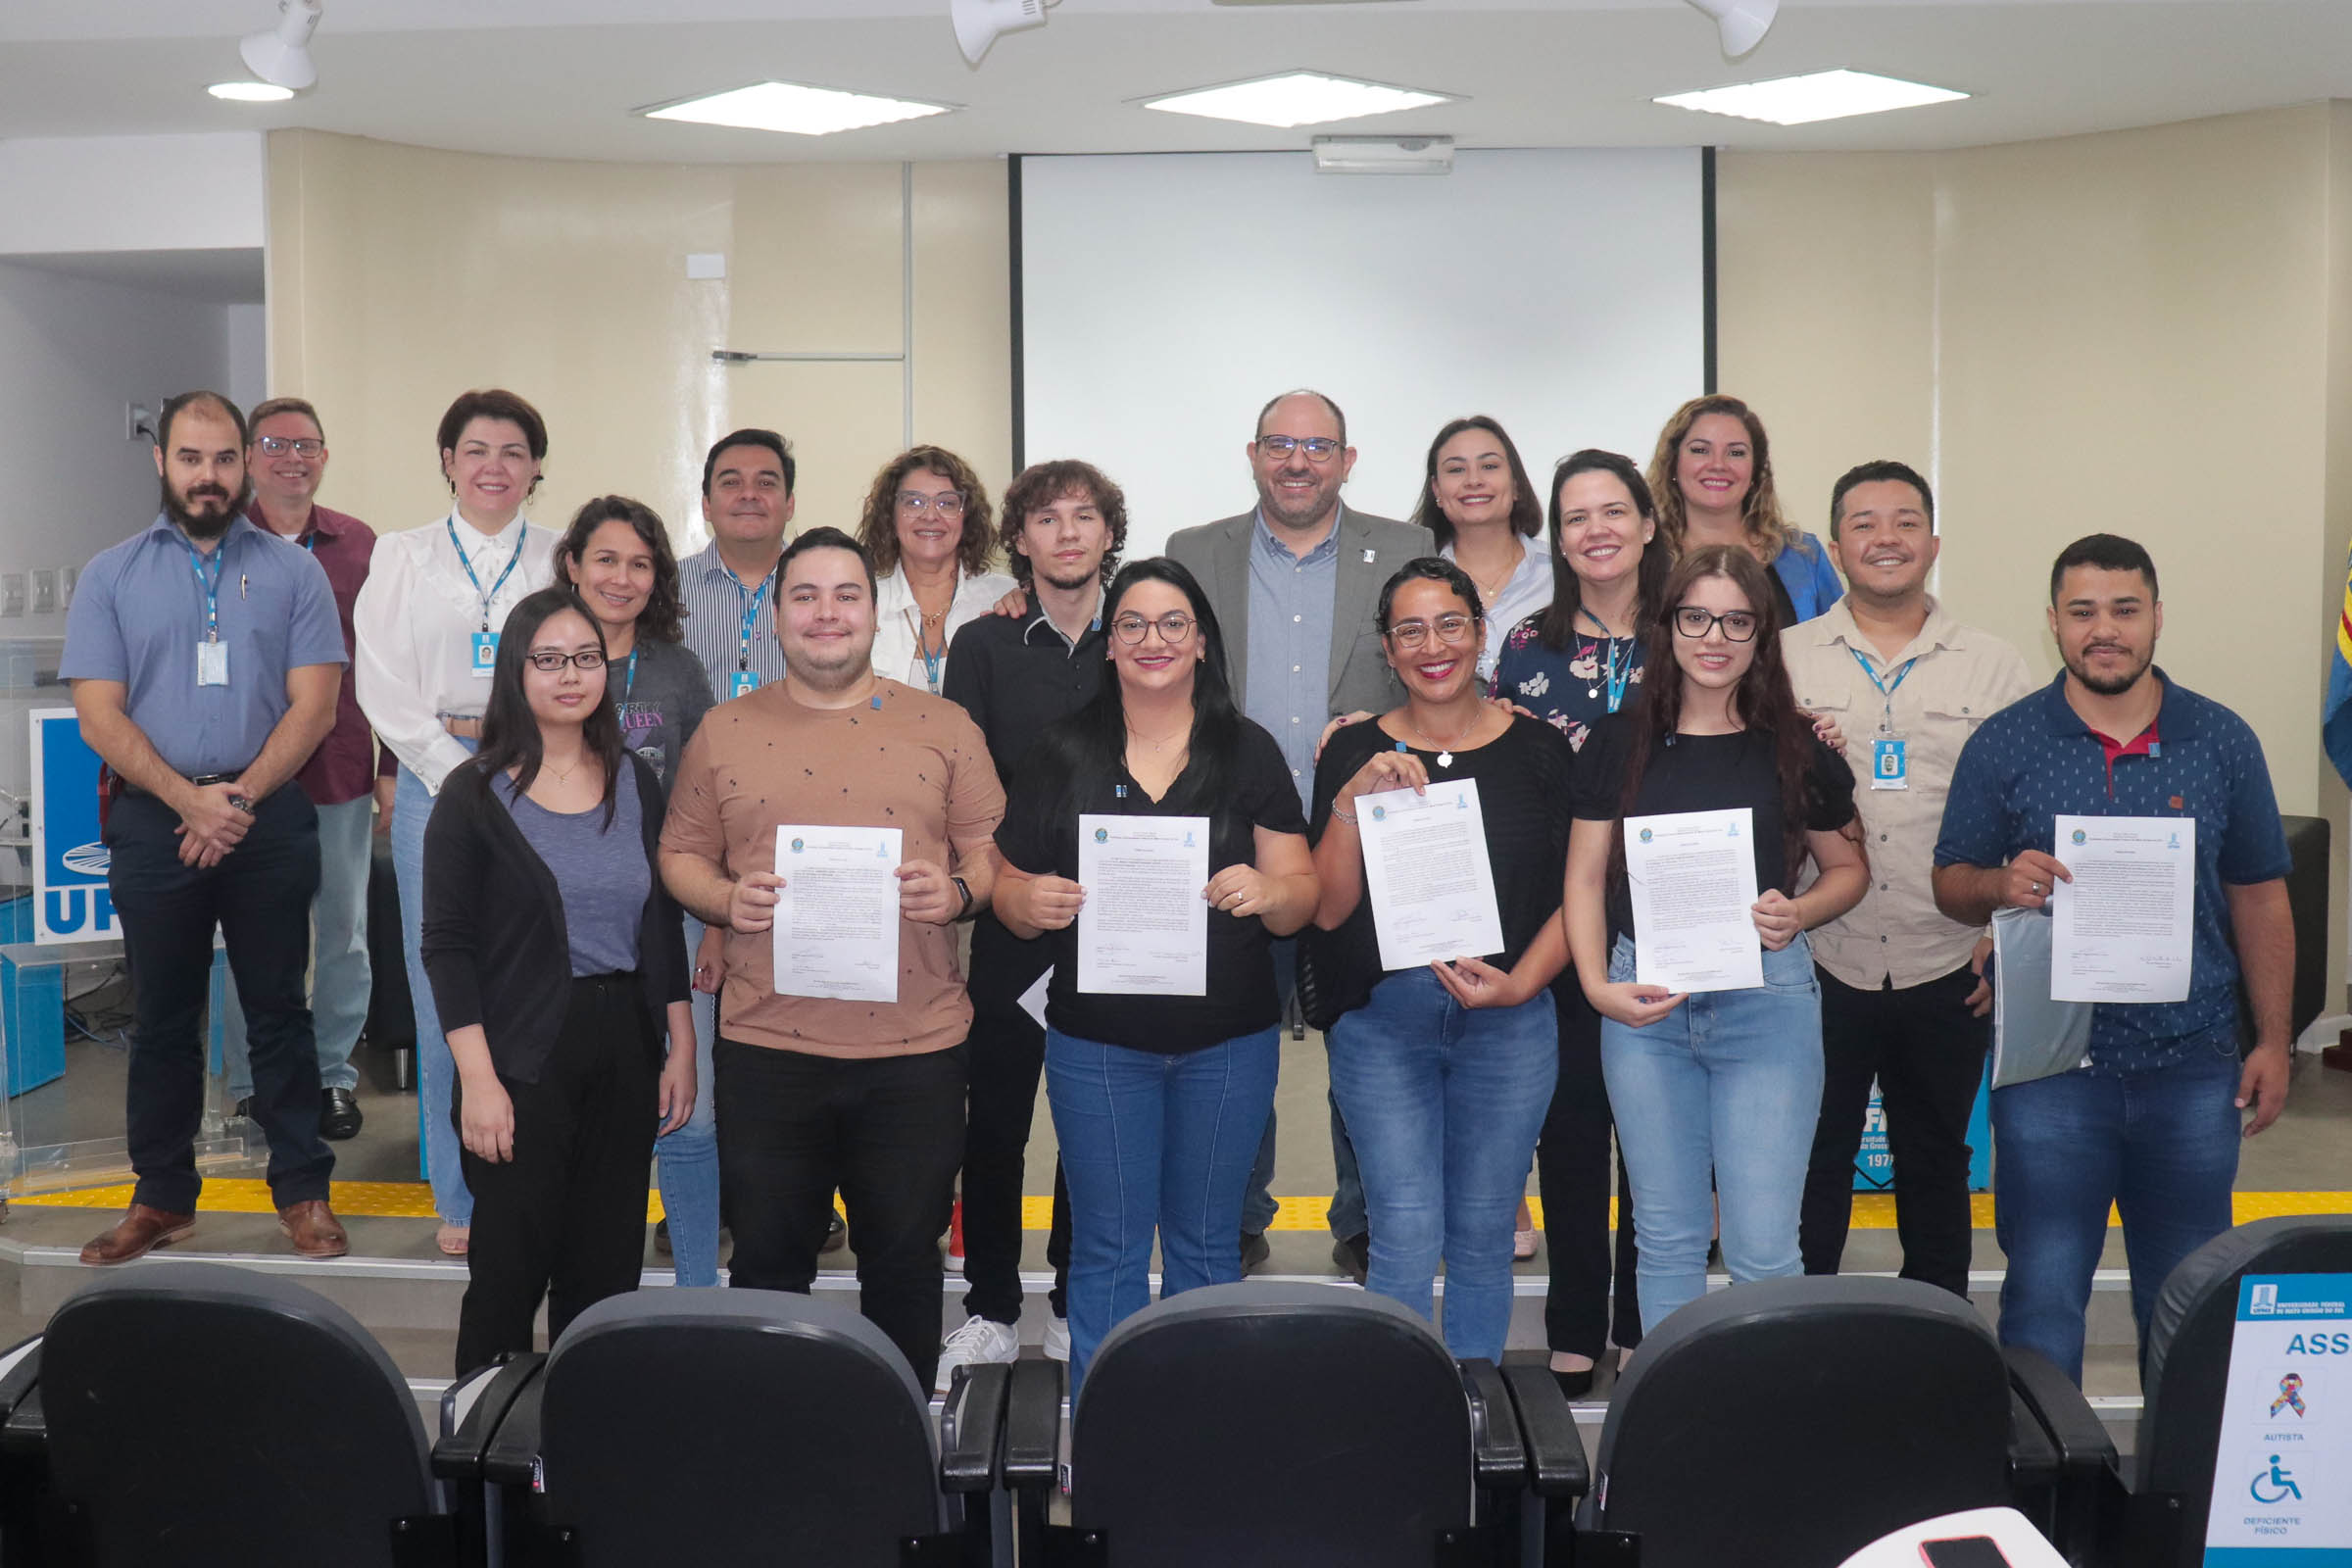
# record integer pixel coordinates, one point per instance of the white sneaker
(978, 1342)
(1058, 1338)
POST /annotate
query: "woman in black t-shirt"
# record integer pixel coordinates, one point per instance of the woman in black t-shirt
(1443, 1070)
(1159, 1095)
(1721, 1083)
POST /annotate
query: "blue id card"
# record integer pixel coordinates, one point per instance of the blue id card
(1889, 768)
(485, 654)
(742, 681)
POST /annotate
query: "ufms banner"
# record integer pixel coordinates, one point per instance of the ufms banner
(70, 900)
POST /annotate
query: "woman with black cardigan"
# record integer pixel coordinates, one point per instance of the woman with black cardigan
(559, 967)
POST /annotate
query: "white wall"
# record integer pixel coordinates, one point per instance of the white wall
(132, 193)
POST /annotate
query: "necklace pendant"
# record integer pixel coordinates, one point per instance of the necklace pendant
(1445, 758)
(1592, 691)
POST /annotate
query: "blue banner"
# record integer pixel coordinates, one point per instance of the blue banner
(71, 902)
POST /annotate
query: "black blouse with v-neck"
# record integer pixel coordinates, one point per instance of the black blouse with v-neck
(1040, 836)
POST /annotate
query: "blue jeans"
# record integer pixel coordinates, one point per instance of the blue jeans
(1727, 1089)
(1445, 1103)
(1152, 1141)
(340, 979)
(2162, 1147)
(1258, 1208)
(438, 1145)
(688, 1159)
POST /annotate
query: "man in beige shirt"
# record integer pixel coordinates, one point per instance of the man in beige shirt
(1901, 998)
(815, 1094)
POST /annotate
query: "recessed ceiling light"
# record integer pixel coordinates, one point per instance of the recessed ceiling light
(1823, 96)
(790, 107)
(249, 92)
(1296, 98)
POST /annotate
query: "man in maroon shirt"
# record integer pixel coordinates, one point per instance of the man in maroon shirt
(343, 778)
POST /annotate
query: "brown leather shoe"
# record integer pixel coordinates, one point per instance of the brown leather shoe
(314, 1229)
(138, 1232)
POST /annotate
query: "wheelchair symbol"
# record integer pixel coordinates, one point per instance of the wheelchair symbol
(2281, 1484)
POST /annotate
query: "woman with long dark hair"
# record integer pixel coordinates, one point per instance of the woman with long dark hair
(1443, 1070)
(618, 560)
(1158, 1099)
(559, 969)
(1718, 1083)
(1477, 503)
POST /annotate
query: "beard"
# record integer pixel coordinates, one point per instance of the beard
(206, 524)
(831, 671)
(1069, 585)
(2108, 685)
(1285, 513)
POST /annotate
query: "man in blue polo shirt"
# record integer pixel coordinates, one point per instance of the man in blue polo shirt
(2150, 1122)
(205, 654)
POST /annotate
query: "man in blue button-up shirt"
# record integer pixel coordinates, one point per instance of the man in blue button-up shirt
(2150, 1122)
(205, 656)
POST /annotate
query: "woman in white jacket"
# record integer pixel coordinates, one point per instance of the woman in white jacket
(425, 641)
(927, 524)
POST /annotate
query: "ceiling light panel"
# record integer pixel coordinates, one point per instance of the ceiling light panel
(249, 92)
(1823, 96)
(793, 109)
(1296, 98)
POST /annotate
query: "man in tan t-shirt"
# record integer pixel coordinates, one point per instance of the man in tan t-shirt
(812, 1094)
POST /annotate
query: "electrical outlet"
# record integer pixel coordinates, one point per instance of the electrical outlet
(12, 592)
(67, 577)
(44, 592)
(139, 423)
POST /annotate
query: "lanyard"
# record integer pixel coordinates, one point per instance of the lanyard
(1884, 690)
(931, 660)
(1614, 677)
(209, 584)
(751, 598)
(521, 539)
(310, 542)
(629, 684)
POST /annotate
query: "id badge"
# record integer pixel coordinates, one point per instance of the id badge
(1889, 769)
(485, 654)
(211, 663)
(742, 681)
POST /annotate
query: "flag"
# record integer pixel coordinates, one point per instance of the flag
(2335, 730)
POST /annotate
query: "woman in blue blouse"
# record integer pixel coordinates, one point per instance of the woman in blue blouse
(1712, 476)
(1573, 663)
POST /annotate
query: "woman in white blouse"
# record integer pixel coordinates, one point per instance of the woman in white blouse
(425, 629)
(1476, 502)
(927, 526)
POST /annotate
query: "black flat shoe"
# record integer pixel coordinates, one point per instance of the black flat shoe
(1353, 1254)
(1254, 1252)
(1575, 1385)
(340, 1115)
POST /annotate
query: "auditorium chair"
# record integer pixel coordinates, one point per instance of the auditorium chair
(1790, 1423)
(725, 1427)
(2148, 1509)
(1287, 1424)
(197, 1414)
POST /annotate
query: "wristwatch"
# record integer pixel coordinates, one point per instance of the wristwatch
(964, 888)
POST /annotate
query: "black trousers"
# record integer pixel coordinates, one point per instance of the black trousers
(260, 897)
(887, 1131)
(1008, 1051)
(565, 1218)
(1928, 1054)
(1572, 1173)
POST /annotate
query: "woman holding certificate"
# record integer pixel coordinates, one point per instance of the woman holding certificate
(1696, 813)
(1438, 829)
(1155, 835)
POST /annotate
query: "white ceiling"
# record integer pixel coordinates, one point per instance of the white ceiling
(558, 77)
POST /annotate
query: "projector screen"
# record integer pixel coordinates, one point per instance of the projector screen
(1164, 298)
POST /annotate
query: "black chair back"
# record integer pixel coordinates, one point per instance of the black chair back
(724, 1427)
(2187, 1354)
(1272, 1423)
(1790, 1423)
(199, 1413)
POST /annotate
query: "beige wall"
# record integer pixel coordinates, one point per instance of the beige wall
(2145, 332)
(400, 276)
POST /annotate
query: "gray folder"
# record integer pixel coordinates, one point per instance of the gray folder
(2033, 1037)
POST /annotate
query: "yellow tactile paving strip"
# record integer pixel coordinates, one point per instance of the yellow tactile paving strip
(414, 1201)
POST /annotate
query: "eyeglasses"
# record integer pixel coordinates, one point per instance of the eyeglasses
(548, 661)
(916, 503)
(278, 446)
(1411, 635)
(1739, 625)
(1319, 448)
(1174, 627)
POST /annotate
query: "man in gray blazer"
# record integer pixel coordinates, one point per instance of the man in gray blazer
(1295, 585)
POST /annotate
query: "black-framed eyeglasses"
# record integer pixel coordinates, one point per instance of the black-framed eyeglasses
(1739, 625)
(548, 661)
(1175, 627)
(1319, 448)
(1413, 635)
(302, 446)
(949, 505)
